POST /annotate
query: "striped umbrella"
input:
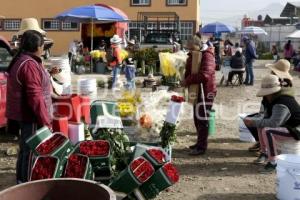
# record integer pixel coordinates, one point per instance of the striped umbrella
(253, 30)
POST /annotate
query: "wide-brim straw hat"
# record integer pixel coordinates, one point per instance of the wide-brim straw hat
(30, 24)
(281, 69)
(115, 39)
(132, 42)
(270, 85)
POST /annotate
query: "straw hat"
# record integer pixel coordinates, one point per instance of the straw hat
(132, 42)
(270, 85)
(281, 69)
(30, 24)
(115, 39)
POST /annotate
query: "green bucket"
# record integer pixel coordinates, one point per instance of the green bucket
(212, 123)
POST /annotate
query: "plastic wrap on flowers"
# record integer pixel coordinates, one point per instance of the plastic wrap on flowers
(78, 166)
(156, 156)
(55, 145)
(98, 152)
(137, 173)
(163, 178)
(38, 137)
(46, 167)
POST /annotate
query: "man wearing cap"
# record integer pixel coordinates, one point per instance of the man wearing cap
(284, 117)
(250, 54)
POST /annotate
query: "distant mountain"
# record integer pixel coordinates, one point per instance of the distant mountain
(274, 10)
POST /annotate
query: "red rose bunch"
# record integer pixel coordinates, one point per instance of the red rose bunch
(76, 166)
(177, 99)
(51, 144)
(142, 169)
(44, 168)
(95, 148)
(171, 172)
(158, 155)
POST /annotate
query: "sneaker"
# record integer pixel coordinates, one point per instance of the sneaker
(255, 147)
(269, 168)
(262, 159)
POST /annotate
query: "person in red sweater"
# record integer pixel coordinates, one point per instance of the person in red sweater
(206, 77)
(28, 95)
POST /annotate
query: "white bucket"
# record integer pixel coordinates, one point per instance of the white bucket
(245, 134)
(87, 86)
(288, 177)
(76, 132)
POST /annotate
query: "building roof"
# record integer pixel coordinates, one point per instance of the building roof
(291, 9)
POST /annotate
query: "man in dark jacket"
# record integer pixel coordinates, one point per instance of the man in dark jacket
(206, 77)
(250, 54)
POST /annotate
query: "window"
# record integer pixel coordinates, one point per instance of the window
(167, 26)
(12, 24)
(70, 26)
(1, 24)
(176, 2)
(186, 30)
(140, 2)
(51, 25)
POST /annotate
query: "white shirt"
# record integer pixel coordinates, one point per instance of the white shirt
(73, 48)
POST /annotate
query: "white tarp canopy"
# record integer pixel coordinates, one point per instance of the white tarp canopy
(294, 35)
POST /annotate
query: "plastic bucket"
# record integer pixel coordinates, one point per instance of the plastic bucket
(74, 189)
(288, 177)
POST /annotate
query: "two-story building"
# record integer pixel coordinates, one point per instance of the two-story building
(157, 12)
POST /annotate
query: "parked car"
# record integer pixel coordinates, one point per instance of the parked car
(47, 45)
(158, 41)
(6, 55)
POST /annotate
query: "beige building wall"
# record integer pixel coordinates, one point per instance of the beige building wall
(42, 9)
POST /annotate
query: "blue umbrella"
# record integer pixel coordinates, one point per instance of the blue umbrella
(91, 13)
(217, 28)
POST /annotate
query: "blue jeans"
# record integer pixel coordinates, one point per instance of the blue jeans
(116, 72)
(249, 73)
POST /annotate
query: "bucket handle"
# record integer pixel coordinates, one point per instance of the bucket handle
(294, 173)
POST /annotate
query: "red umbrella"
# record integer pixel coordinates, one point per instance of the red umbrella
(122, 27)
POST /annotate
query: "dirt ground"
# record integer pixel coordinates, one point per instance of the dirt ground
(226, 172)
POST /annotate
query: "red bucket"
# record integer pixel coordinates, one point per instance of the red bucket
(85, 108)
(61, 125)
(69, 106)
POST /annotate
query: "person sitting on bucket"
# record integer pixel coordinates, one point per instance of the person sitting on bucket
(284, 112)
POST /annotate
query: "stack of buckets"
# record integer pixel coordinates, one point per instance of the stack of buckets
(64, 77)
(288, 177)
(88, 87)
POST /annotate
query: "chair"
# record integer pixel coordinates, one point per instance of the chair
(236, 77)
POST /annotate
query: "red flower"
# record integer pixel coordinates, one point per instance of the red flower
(44, 168)
(95, 148)
(158, 155)
(76, 166)
(142, 169)
(171, 172)
(51, 144)
(177, 99)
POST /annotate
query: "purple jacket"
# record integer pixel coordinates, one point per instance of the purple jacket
(29, 91)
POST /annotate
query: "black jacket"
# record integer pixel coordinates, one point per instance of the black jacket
(237, 61)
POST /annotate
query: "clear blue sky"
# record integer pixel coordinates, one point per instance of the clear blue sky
(214, 10)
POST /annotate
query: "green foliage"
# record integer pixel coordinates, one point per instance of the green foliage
(266, 56)
(119, 144)
(167, 134)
